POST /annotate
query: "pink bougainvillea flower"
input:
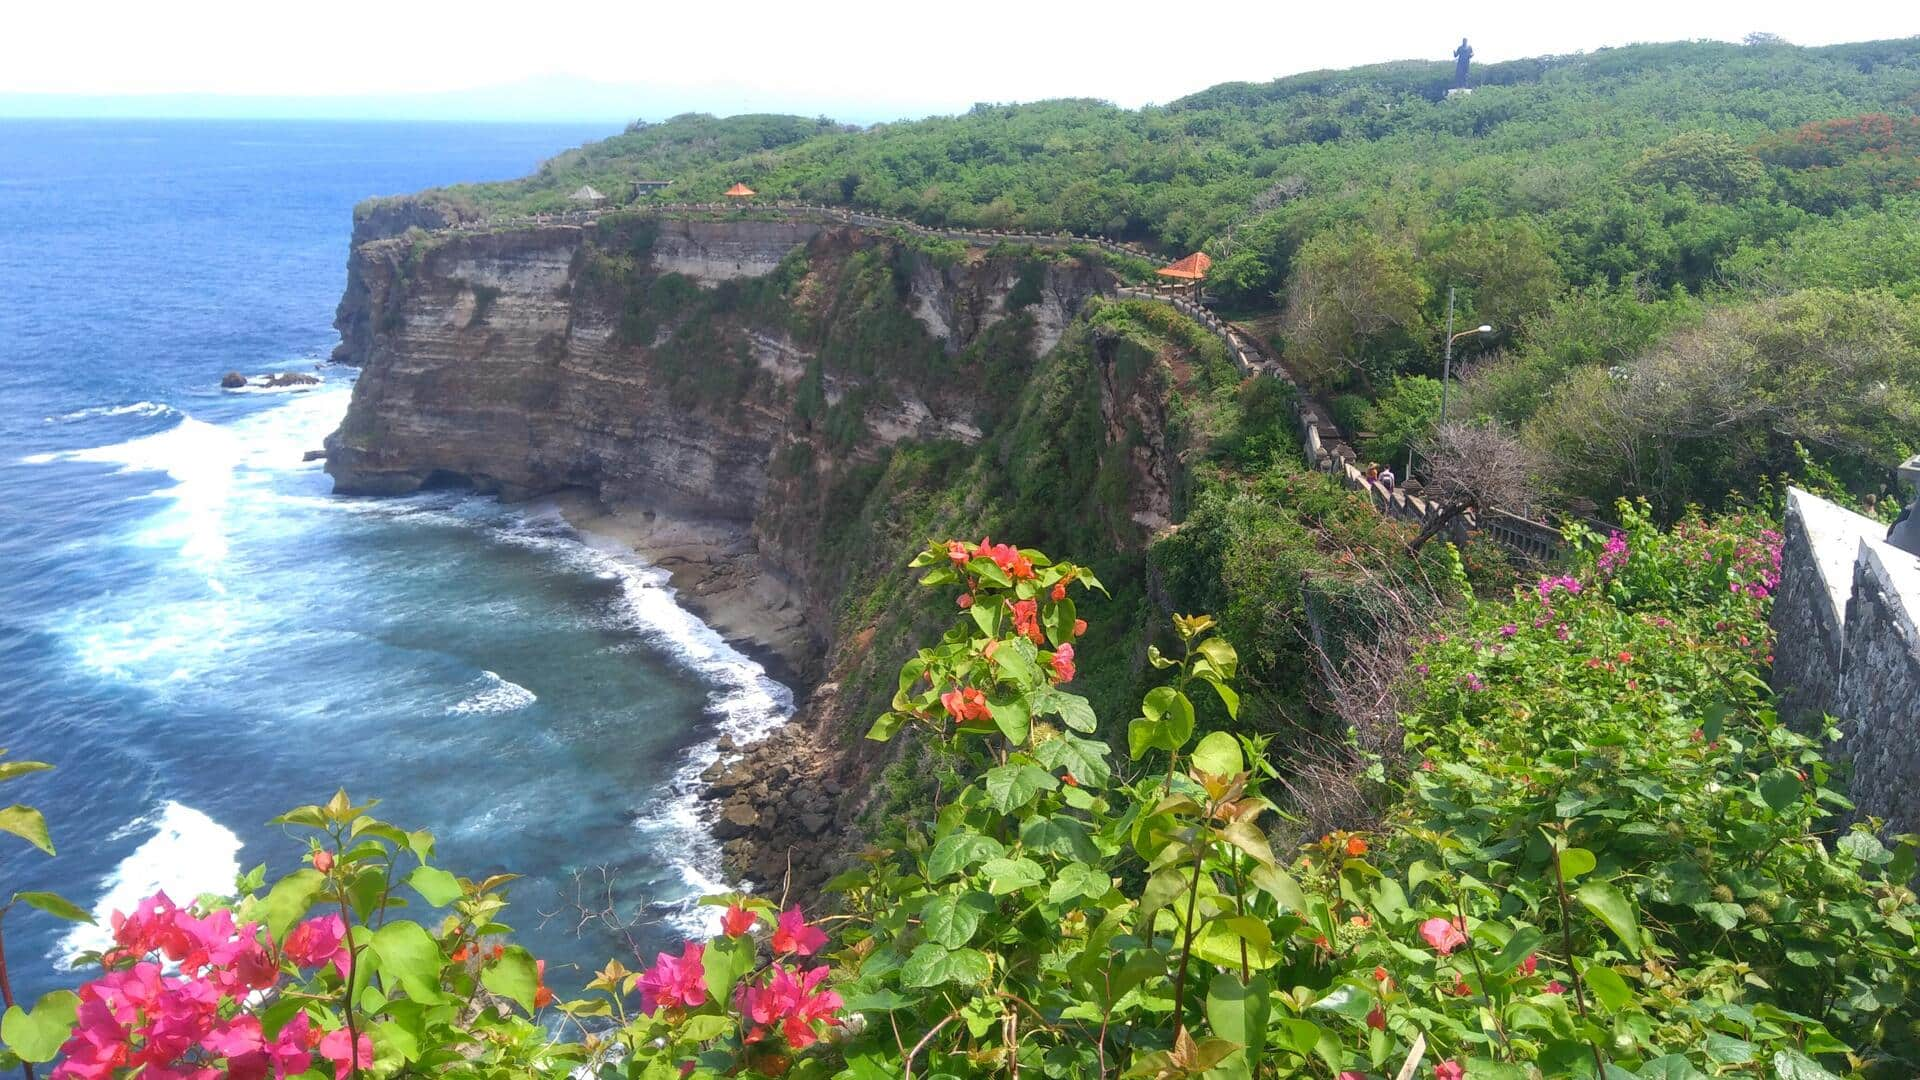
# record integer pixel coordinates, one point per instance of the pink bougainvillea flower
(1530, 964)
(323, 861)
(965, 601)
(793, 935)
(1449, 1070)
(675, 981)
(318, 941)
(1351, 1075)
(1079, 627)
(1444, 935)
(958, 553)
(1059, 592)
(736, 921)
(1377, 1019)
(1063, 664)
(1020, 568)
(1509, 630)
(333, 1047)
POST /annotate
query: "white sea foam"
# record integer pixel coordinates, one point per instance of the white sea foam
(187, 854)
(496, 695)
(138, 408)
(743, 702)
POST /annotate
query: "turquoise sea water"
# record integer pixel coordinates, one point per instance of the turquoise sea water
(197, 634)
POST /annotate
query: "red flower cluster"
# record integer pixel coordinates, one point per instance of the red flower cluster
(967, 704)
(1026, 621)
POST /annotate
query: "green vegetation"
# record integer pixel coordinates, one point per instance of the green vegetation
(1587, 206)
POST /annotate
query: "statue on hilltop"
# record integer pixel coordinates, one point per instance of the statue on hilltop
(1461, 56)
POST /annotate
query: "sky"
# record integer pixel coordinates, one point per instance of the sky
(854, 60)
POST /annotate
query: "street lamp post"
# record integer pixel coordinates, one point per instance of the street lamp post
(1446, 365)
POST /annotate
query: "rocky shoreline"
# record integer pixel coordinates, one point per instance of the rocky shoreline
(782, 807)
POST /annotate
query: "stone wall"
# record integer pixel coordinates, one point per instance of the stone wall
(1847, 622)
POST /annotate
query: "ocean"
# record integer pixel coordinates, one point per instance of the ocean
(198, 635)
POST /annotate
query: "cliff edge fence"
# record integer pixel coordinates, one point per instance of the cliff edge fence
(1847, 626)
(1321, 441)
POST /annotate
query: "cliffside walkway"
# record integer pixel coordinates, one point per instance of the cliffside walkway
(1321, 440)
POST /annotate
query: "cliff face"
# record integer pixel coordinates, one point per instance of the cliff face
(717, 374)
(774, 412)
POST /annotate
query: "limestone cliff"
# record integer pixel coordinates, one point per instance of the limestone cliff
(751, 403)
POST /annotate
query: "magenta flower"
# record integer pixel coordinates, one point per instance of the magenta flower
(318, 941)
(675, 981)
(793, 935)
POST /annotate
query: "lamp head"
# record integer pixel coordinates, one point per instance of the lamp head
(1483, 329)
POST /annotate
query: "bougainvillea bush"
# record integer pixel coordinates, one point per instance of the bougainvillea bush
(1607, 859)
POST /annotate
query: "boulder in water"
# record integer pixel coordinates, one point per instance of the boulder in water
(292, 378)
(233, 380)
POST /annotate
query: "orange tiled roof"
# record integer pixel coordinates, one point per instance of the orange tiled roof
(738, 191)
(1192, 268)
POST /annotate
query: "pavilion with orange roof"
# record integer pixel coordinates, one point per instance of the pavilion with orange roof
(740, 191)
(1188, 272)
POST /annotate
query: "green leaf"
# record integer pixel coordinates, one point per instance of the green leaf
(1014, 785)
(1173, 711)
(1864, 846)
(1219, 754)
(37, 1035)
(1670, 1067)
(1075, 711)
(1781, 789)
(408, 955)
(1613, 909)
(56, 905)
(1727, 1050)
(951, 920)
(1280, 885)
(28, 824)
(887, 726)
(1012, 718)
(1575, 862)
(1793, 1065)
(290, 899)
(1161, 888)
(514, 976)
(1724, 916)
(438, 887)
(959, 850)
(1239, 1013)
(725, 961)
(1144, 735)
(1219, 654)
(1077, 880)
(1012, 875)
(1084, 759)
(1058, 834)
(1524, 941)
(932, 964)
(1608, 987)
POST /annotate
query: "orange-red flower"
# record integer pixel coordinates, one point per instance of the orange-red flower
(1026, 620)
(966, 704)
(1356, 846)
(736, 921)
